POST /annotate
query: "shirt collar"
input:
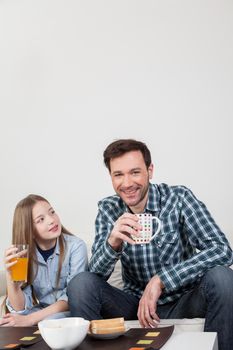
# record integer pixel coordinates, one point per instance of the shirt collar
(57, 248)
(56, 251)
(153, 202)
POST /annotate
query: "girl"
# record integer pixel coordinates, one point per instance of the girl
(55, 256)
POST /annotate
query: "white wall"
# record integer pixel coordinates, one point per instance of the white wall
(75, 75)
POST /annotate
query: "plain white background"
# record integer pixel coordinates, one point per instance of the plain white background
(75, 75)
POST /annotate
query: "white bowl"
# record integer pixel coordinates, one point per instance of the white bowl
(64, 333)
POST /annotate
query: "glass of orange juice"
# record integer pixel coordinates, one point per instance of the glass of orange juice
(19, 271)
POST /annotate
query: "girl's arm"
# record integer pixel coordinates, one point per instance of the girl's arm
(32, 319)
(59, 306)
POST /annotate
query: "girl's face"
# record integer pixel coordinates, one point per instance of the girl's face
(47, 225)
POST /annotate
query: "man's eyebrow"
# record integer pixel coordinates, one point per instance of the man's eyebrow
(135, 169)
(120, 172)
(117, 172)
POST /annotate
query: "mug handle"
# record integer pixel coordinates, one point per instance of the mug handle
(159, 226)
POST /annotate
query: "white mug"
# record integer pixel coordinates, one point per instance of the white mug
(146, 233)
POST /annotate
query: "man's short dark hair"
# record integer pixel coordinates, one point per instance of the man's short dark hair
(120, 147)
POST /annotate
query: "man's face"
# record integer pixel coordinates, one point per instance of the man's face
(130, 179)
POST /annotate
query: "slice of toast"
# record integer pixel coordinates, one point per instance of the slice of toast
(108, 326)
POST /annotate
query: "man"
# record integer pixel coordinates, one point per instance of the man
(181, 273)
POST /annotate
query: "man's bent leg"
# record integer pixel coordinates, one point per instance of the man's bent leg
(218, 284)
(92, 298)
(212, 299)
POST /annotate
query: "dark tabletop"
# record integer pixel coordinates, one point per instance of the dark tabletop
(11, 335)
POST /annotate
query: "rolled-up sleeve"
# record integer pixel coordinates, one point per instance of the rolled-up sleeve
(27, 291)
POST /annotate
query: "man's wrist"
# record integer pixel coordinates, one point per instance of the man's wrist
(160, 282)
(117, 246)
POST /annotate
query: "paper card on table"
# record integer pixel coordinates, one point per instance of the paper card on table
(18, 337)
(144, 341)
(27, 338)
(152, 334)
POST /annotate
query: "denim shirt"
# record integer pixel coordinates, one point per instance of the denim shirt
(44, 284)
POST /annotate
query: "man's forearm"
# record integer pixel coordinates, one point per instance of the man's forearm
(103, 260)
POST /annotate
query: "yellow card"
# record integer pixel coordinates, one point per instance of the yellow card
(27, 338)
(145, 342)
(152, 334)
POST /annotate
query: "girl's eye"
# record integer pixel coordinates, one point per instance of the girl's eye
(40, 220)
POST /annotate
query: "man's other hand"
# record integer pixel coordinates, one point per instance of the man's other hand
(148, 303)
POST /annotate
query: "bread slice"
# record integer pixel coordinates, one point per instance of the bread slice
(108, 326)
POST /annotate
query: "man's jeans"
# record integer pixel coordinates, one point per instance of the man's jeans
(212, 298)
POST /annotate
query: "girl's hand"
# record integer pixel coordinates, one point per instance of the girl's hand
(16, 320)
(10, 254)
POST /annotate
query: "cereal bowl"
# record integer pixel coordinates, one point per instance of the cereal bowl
(64, 333)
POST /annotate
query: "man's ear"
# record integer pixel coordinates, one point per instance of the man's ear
(150, 171)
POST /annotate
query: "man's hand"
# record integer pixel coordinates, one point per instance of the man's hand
(124, 227)
(15, 320)
(148, 303)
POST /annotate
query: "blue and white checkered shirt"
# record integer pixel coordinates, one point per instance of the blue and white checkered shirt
(188, 244)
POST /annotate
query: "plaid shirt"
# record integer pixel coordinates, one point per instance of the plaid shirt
(188, 244)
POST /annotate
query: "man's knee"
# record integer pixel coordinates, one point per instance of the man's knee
(220, 280)
(84, 281)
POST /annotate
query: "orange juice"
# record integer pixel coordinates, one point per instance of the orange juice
(19, 271)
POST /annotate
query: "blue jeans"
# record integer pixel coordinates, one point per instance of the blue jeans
(212, 298)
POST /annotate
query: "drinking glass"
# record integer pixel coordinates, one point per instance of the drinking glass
(19, 271)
